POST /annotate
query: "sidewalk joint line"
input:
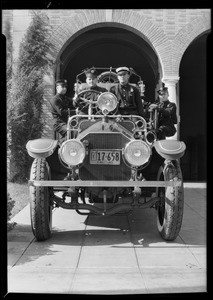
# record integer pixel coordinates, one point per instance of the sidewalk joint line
(78, 261)
(194, 210)
(23, 253)
(134, 249)
(188, 249)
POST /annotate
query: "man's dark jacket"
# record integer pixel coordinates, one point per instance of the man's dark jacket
(60, 105)
(167, 117)
(129, 99)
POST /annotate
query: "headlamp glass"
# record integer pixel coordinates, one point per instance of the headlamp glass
(107, 102)
(72, 152)
(137, 153)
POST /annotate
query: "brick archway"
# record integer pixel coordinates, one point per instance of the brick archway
(130, 20)
(168, 51)
(186, 36)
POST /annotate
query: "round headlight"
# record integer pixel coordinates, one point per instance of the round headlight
(137, 153)
(72, 152)
(107, 102)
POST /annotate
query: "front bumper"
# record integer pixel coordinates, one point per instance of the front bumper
(103, 183)
(136, 201)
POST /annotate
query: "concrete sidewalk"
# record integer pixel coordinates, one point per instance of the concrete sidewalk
(110, 255)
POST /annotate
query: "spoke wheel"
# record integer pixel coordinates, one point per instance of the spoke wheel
(171, 204)
(85, 100)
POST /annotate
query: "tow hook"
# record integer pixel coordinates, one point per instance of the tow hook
(136, 194)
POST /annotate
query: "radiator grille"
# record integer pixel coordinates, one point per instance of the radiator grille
(105, 172)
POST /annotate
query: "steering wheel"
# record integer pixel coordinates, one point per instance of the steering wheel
(87, 99)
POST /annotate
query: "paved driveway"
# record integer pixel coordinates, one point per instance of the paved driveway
(110, 255)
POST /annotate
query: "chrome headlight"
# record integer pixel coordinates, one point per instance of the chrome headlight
(137, 153)
(107, 102)
(72, 152)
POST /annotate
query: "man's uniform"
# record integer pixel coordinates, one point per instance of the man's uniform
(167, 117)
(60, 105)
(129, 99)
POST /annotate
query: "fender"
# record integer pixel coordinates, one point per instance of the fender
(170, 149)
(41, 148)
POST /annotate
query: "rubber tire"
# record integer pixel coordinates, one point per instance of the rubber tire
(40, 208)
(170, 214)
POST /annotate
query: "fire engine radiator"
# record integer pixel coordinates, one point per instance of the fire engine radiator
(104, 160)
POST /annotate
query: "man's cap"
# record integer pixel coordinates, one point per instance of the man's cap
(122, 69)
(61, 82)
(163, 90)
(91, 73)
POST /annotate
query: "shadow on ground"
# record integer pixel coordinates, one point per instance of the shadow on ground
(138, 229)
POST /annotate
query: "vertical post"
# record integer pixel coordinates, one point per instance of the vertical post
(170, 83)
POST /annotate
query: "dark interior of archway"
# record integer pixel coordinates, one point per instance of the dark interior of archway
(193, 95)
(110, 47)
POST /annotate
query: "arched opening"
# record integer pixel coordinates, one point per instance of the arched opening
(110, 47)
(193, 92)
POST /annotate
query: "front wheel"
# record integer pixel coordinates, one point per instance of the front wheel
(40, 204)
(170, 207)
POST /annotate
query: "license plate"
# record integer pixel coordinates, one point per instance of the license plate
(104, 157)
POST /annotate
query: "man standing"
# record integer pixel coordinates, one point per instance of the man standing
(61, 105)
(128, 96)
(91, 80)
(167, 116)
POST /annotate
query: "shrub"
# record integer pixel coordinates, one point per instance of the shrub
(10, 205)
(9, 62)
(25, 113)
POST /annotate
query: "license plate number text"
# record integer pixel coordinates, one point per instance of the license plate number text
(105, 157)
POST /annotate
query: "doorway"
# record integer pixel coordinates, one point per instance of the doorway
(110, 47)
(193, 96)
